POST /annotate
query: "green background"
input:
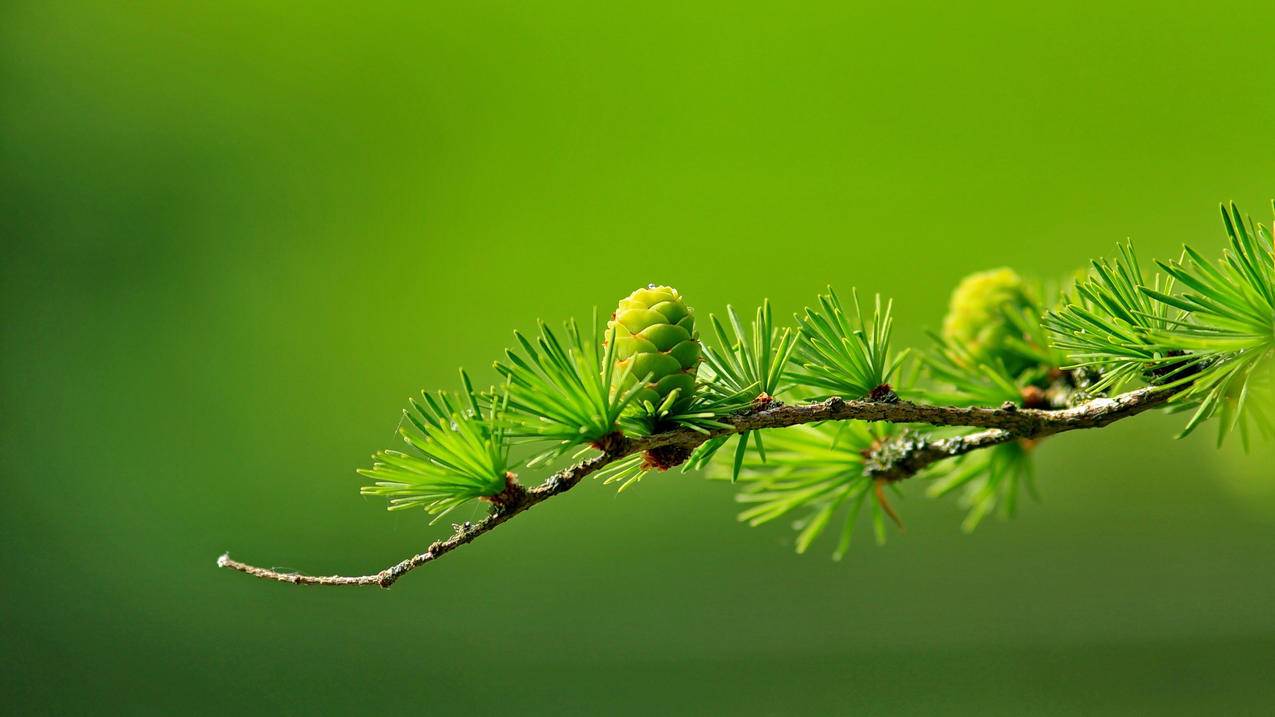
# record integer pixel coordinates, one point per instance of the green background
(237, 235)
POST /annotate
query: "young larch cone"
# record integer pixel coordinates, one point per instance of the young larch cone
(655, 339)
(976, 315)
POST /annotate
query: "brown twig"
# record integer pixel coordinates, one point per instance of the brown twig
(1003, 424)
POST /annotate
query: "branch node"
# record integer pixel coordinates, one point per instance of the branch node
(610, 443)
(665, 457)
(511, 497)
(883, 394)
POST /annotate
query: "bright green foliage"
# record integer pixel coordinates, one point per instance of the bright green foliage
(748, 363)
(978, 317)
(460, 453)
(625, 472)
(1111, 320)
(752, 360)
(818, 470)
(990, 478)
(656, 347)
(567, 392)
(1230, 326)
(842, 355)
(1209, 328)
(960, 379)
(701, 413)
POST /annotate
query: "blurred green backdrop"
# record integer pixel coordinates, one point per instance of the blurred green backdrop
(238, 234)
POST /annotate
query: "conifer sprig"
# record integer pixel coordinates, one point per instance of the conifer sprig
(1229, 325)
(1112, 321)
(991, 478)
(843, 355)
(1208, 328)
(820, 471)
(568, 392)
(458, 453)
(959, 378)
(749, 360)
(748, 363)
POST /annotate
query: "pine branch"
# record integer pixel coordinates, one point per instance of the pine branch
(1004, 424)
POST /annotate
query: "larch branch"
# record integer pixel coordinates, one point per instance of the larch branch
(1002, 425)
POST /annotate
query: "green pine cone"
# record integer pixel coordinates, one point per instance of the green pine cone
(976, 316)
(655, 336)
